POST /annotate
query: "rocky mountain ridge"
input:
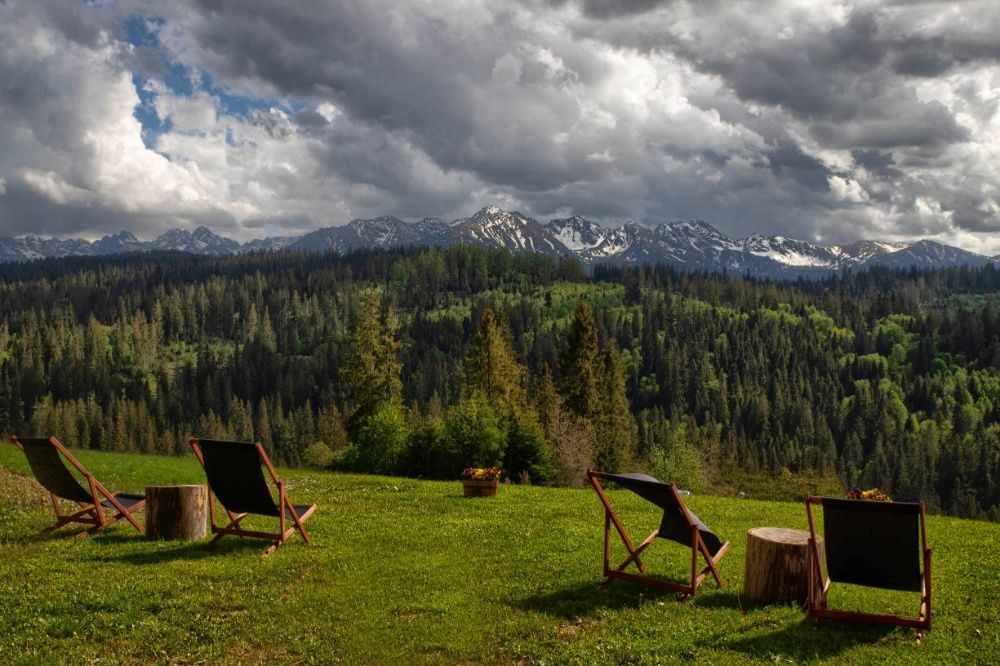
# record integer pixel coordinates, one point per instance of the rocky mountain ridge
(691, 244)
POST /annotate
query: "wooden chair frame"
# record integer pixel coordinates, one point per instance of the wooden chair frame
(234, 528)
(90, 513)
(818, 591)
(618, 573)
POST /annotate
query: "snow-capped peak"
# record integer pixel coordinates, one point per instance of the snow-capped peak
(578, 233)
(791, 252)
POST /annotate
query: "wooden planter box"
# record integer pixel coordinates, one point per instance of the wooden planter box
(480, 487)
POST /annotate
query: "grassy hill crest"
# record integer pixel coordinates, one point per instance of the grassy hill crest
(407, 571)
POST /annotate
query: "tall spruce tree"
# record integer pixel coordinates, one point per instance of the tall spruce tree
(491, 368)
(373, 367)
(614, 425)
(578, 364)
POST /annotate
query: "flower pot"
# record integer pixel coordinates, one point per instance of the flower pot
(480, 487)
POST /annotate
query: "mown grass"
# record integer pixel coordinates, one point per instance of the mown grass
(406, 571)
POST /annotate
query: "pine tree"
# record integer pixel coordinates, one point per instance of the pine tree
(330, 428)
(578, 364)
(614, 425)
(491, 368)
(373, 368)
(546, 399)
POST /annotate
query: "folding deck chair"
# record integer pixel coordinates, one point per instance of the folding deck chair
(45, 456)
(236, 478)
(678, 524)
(876, 544)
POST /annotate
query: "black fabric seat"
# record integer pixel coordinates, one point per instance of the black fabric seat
(300, 509)
(125, 499)
(235, 476)
(678, 524)
(874, 544)
(47, 459)
(47, 466)
(235, 472)
(674, 525)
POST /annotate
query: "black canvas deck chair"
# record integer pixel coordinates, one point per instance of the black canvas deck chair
(236, 478)
(876, 544)
(45, 458)
(678, 524)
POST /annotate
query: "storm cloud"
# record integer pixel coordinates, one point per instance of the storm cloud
(830, 121)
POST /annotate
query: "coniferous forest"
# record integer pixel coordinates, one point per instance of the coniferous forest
(423, 361)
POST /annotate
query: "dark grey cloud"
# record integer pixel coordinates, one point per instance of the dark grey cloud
(878, 162)
(788, 159)
(606, 9)
(25, 210)
(807, 119)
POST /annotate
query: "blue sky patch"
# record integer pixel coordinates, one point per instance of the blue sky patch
(143, 31)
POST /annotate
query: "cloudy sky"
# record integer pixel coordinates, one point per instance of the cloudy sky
(828, 121)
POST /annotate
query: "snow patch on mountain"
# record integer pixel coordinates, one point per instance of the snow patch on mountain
(688, 245)
(791, 252)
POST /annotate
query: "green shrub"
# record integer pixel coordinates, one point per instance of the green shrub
(529, 456)
(382, 441)
(680, 464)
(317, 455)
(473, 435)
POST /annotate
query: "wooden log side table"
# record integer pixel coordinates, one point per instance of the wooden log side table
(777, 565)
(176, 512)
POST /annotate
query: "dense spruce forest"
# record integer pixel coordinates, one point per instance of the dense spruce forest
(421, 361)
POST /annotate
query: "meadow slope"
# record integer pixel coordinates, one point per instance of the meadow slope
(406, 571)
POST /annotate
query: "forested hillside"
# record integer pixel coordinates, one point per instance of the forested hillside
(420, 362)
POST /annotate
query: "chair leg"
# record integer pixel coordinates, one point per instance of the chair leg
(90, 530)
(218, 535)
(62, 519)
(299, 525)
(305, 535)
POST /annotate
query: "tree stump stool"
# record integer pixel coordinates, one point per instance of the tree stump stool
(777, 565)
(176, 512)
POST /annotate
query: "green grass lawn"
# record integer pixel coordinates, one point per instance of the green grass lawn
(406, 571)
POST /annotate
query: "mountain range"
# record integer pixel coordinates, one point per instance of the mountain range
(693, 244)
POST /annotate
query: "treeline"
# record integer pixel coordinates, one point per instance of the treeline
(423, 361)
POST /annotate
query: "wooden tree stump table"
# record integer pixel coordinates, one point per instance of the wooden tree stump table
(776, 565)
(176, 512)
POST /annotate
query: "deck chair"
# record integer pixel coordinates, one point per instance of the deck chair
(876, 544)
(678, 524)
(236, 478)
(45, 458)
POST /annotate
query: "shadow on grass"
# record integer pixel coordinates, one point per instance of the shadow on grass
(799, 642)
(587, 599)
(68, 534)
(187, 550)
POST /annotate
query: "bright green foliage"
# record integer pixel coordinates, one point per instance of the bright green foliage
(474, 434)
(318, 456)
(494, 376)
(381, 441)
(677, 461)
